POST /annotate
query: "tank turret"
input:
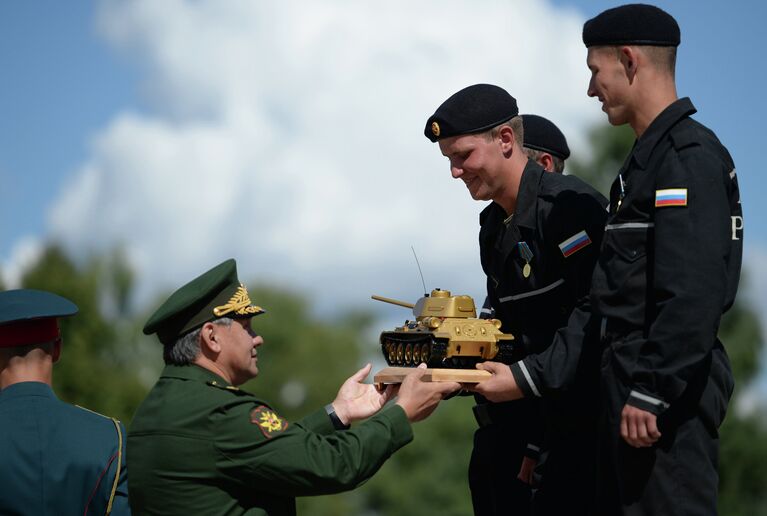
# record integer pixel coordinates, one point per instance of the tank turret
(445, 333)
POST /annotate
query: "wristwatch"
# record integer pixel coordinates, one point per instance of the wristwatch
(337, 424)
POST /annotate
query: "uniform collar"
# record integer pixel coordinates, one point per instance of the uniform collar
(28, 389)
(669, 117)
(527, 197)
(193, 372)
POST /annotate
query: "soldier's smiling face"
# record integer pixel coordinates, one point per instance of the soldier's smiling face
(476, 160)
(609, 83)
(239, 351)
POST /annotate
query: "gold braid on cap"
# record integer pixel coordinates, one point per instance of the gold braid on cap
(239, 303)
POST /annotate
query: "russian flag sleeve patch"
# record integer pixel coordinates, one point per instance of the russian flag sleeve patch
(671, 197)
(575, 243)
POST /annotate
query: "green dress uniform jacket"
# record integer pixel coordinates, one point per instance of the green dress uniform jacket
(56, 458)
(202, 446)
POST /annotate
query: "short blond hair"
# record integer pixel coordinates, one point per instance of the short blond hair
(516, 126)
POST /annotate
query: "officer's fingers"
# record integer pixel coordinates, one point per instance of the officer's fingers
(418, 372)
(386, 394)
(362, 373)
(394, 389)
(422, 365)
(413, 376)
(448, 387)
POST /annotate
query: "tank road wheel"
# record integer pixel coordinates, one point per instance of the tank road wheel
(400, 353)
(409, 354)
(425, 353)
(391, 349)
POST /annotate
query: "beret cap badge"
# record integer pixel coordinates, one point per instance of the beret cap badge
(435, 129)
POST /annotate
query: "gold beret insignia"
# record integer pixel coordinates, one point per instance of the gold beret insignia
(435, 128)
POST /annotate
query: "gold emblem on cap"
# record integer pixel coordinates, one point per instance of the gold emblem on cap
(435, 128)
(239, 303)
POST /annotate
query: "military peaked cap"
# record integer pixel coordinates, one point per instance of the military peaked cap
(30, 316)
(472, 110)
(214, 294)
(632, 24)
(541, 134)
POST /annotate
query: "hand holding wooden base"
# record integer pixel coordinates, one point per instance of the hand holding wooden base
(397, 374)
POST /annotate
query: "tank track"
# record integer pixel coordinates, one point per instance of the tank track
(409, 350)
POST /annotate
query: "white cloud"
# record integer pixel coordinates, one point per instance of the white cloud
(24, 253)
(289, 135)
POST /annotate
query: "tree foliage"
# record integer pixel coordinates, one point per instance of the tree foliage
(96, 369)
(609, 147)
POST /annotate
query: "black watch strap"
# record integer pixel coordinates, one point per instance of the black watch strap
(337, 424)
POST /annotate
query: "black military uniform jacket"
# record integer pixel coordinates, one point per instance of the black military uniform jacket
(554, 235)
(560, 220)
(668, 269)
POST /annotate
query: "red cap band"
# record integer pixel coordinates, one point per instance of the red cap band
(24, 333)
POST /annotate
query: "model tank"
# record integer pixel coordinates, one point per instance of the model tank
(446, 333)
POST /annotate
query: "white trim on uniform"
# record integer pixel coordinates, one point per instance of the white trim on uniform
(649, 399)
(528, 378)
(630, 225)
(532, 292)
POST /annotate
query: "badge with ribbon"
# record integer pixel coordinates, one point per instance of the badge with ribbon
(527, 255)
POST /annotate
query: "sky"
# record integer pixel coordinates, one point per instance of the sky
(289, 134)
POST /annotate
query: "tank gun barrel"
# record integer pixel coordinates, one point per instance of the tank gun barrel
(393, 301)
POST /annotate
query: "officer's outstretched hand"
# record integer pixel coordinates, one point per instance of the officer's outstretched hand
(418, 398)
(500, 387)
(639, 427)
(356, 400)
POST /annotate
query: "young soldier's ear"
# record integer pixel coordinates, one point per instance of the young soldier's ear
(546, 161)
(628, 58)
(506, 137)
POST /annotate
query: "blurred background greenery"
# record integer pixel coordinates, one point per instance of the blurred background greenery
(108, 365)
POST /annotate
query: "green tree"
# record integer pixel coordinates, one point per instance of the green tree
(609, 148)
(430, 475)
(96, 367)
(743, 437)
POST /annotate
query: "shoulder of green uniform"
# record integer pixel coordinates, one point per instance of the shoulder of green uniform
(225, 387)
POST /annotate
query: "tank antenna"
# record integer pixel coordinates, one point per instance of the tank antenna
(425, 293)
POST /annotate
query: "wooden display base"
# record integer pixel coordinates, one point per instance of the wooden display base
(397, 374)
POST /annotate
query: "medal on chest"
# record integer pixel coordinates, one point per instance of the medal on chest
(527, 255)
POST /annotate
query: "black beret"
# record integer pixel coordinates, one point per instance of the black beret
(632, 24)
(541, 134)
(471, 110)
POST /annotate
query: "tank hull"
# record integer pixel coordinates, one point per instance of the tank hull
(411, 348)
